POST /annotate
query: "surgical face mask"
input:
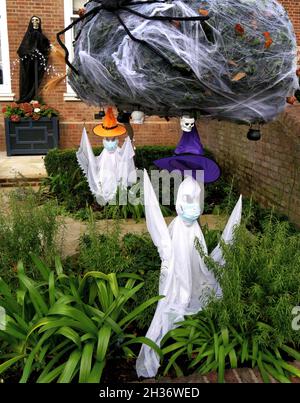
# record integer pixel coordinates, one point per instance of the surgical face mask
(110, 145)
(190, 212)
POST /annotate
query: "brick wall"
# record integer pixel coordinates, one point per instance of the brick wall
(72, 114)
(269, 169)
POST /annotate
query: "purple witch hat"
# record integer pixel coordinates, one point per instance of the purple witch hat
(189, 156)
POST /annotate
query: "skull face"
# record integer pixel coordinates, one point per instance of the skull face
(138, 117)
(187, 123)
(35, 22)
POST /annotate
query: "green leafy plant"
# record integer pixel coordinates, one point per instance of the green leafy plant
(203, 346)
(65, 328)
(30, 110)
(26, 226)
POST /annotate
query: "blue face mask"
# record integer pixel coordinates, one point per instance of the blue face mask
(110, 145)
(190, 212)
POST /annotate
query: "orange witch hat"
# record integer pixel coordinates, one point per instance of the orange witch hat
(109, 127)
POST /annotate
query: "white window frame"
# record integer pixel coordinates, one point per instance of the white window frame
(5, 88)
(68, 12)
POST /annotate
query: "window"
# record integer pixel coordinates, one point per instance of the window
(5, 79)
(71, 13)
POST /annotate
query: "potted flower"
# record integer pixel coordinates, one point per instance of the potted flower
(30, 128)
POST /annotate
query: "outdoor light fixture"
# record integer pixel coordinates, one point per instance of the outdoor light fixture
(254, 134)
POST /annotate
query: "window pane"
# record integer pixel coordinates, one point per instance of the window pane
(77, 4)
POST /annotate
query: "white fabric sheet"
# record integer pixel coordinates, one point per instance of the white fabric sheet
(185, 280)
(107, 171)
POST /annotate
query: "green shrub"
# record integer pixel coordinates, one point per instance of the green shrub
(260, 282)
(65, 328)
(26, 226)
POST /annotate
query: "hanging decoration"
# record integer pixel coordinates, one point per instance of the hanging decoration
(189, 155)
(114, 166)
(185, 281)
(229, 59)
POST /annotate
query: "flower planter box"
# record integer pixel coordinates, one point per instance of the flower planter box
(31, 137)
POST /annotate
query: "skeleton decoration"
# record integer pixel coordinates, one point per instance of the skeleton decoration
(137, 117)
(185, 280)
(113, 167)
(187, 123)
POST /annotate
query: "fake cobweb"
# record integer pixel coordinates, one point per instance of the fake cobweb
(238, 65)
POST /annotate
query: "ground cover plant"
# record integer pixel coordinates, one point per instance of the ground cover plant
(26, 226)
(65, 328)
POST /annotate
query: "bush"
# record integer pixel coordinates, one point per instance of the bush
(26, 226)
(65, 328)
(260, 282)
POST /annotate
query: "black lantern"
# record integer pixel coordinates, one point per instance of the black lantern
(254, 134)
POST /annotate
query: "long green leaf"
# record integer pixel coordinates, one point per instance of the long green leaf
(103, 342)
(86, 362)
(221, 367)
(39, 264)
(70, 369)
(5, 365)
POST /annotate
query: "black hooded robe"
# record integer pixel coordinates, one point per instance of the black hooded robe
(31, 67)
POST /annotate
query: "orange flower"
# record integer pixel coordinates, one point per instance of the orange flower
(4, 110)
(239, 30)
(267, 35)
(291, 100)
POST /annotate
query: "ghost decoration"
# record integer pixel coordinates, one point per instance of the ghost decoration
(114, 167)
(185, 280)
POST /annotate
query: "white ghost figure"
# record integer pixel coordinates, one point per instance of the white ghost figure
(185, 280)
(112, 168)
(187, 123)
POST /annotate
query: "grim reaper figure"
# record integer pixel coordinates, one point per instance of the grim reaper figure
(33, 52)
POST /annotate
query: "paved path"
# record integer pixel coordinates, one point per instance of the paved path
(29, 169)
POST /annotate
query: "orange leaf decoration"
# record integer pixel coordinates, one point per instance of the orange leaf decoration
(203, 12)
(176, 23)
(291, 100)
(268, 43)
(239, 76)
(232, 63)
(239, 30)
